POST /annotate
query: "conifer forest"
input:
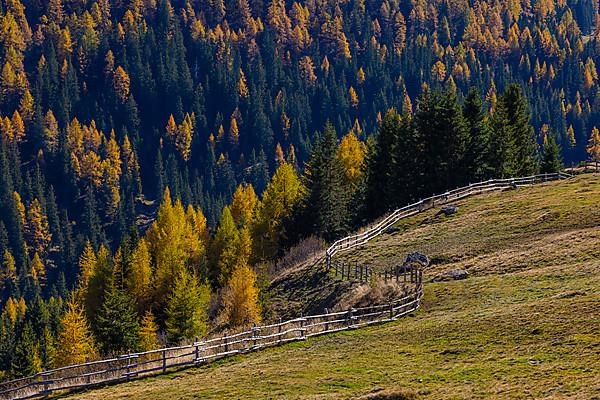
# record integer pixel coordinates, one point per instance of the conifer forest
(156, 156)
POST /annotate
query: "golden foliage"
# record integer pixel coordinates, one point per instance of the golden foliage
(240, 299)
(74, 344)
(593, 147)
(148, 332)
(279, 198)
(139, 276)
(37, 232)
(243, 205)
(121, 83)
(351, 153)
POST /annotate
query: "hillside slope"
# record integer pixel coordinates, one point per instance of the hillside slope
(526, 323)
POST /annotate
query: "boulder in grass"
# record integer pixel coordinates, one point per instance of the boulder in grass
(451, 275)
(448, 210)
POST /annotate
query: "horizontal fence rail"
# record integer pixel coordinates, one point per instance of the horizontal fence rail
(351, 242)
(130, 366)
(365, 273)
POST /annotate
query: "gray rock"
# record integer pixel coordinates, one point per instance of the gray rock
(451, 275)
(448, 210)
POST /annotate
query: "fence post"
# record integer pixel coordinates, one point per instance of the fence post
(391, 310)
(349, 317)
(46, 381)
(326, 320)
(128, 363)
(342, 271)
(279, 330)
(361, 272)
(164, 360)
(302, 327)
(225, 344)
(254, 335)
(197, 349)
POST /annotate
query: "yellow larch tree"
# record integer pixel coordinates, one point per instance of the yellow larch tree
(10, 311)
(8, 268)
(351, 153)
(243, 86)
(234, 131)
(51, 131)
(37, 232)
(74, 344)
(279, 198)
(38, 270)
(18, 127)
(139, 277)
(121, 84)
(240, 299)
(20, 206)
(26, 106)
(593, 147)
(148, 332)
(243, 205)
(353, 97)
(87, 265)
(279, 156)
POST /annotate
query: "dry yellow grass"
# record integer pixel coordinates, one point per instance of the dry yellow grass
(525, 324)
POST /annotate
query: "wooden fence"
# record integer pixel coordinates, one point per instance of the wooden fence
(353, 241)
(130, 366)
(365, 273)
(593, 166)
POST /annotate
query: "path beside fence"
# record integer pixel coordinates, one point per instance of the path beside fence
(130, 366)
(354, 241)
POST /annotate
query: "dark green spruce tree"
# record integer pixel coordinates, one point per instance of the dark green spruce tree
(551, 159)
(325, 208)
(514, 150)
(443, 135)
(381, 166)
(26, 359)
(117, 328)
(477, 156)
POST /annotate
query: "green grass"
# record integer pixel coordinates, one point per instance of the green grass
(525, 324)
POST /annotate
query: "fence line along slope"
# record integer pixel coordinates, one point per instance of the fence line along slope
(524, 323)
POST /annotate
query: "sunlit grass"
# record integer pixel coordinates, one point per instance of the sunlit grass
(525, 324)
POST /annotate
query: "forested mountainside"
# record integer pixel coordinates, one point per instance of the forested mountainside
(110, 108)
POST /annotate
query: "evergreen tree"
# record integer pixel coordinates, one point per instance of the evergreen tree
(551, 160)
(382, 166)
(325, 208)
(224, 249)
(477, 157)
(443, 135)
(26, 359)
(117, 328)
(513, 145)
(526, 149)
(187, 309)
